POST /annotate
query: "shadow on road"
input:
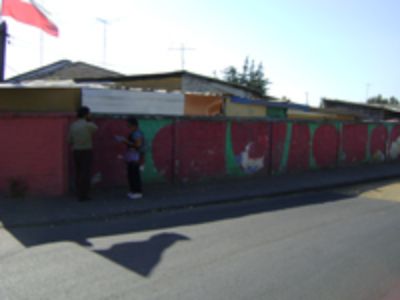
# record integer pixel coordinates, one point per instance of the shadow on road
(142, 257)
(81, 232)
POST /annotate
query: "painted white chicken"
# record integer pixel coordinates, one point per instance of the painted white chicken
(250, 165)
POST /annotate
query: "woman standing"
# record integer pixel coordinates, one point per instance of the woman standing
(134, 158)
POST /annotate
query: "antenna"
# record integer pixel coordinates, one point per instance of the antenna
(105, 23)
(182, 49)
(367, 87)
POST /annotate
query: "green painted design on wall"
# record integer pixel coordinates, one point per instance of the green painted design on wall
(389, 128)
(285, 155)
(342, 155)
(390, 142)
(232, 166)
(150, 128)
(339, 128)
(313, 128)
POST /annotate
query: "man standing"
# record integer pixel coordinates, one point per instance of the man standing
(81, 139)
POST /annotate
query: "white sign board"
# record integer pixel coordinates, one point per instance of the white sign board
(106, 101)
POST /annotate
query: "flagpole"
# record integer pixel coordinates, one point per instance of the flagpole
(41, 42)
(3, 43)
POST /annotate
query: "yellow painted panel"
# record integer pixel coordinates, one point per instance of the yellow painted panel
(244, 110)
(295, 114)
(39, 99)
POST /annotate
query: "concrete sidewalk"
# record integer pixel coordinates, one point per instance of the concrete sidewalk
(114, 203)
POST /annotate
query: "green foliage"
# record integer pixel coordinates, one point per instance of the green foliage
(383, 101)
(251, 76)
(231, 75)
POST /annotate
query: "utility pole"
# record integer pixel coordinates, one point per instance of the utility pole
(182, 49)
(3, 43)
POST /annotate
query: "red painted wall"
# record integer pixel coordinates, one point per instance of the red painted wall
(326, 146)
(163, 152)
(200, 149)
(34, 150)
(379, 138)
(354, 143)
(299, 153)
(105, 160)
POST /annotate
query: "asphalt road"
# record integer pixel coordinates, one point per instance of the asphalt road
(331, 245)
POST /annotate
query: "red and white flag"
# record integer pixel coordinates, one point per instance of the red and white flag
(29, 12)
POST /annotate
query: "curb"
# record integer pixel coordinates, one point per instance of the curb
(181, 206)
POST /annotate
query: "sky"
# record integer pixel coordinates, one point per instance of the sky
(339, 49)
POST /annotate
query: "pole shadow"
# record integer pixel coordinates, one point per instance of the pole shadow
(142, 257)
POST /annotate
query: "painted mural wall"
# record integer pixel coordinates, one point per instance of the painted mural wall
(34, 149)
(184, 150)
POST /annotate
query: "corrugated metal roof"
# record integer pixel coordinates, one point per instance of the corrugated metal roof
(287, 105)
(64, 69)
(174, 74)
(364, 105)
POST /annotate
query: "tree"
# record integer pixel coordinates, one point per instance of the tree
(382, 101)
(244, 76)
(250, 77)
(393, 101)
(231, 75)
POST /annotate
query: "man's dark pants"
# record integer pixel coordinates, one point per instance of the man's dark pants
(134, 179)
(83, 165)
